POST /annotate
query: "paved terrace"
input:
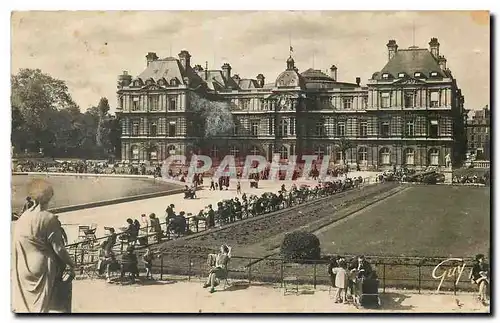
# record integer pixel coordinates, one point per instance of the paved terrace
(115, 215)
(176, 295)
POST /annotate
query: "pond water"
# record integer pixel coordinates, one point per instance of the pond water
(74, 189)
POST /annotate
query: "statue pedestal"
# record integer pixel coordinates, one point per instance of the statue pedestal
(448, 175)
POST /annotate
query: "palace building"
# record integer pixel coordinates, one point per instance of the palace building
(411, 112)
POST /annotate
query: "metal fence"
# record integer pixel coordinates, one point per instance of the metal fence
(395, 272)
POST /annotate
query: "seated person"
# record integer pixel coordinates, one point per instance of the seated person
(110, 241)
(129, 263)
(130, 233)
(218, 270)
(480, 275)
(107, 263)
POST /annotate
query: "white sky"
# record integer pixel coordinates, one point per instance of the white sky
(89, 49)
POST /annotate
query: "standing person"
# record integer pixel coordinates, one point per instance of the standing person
(148, 263)
(238, 187)
(340, 280)
(210, 216)
(39, 255)
(212, 184)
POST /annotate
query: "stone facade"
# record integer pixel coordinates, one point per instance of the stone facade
(478, 134)
(409, 113)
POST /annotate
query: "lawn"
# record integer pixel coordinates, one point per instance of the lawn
(420, 221)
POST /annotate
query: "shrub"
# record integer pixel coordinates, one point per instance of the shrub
(300, 246)
(429, 179)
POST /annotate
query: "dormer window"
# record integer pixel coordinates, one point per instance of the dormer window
(385, 75)
(401, 75)
(173, 82)
(161, 82)
(434, 74)
(137, 83)
(418, 74)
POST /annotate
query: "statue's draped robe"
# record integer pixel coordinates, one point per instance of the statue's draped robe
(35, 262)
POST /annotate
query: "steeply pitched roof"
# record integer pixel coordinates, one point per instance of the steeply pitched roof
(410, 61)
(168, 68)
(247, 84)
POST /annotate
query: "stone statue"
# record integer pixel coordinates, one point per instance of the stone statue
(447, 160)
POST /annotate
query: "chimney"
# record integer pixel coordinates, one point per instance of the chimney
(392, 48)
(185, 59)
(333, 72)
(124, 80)
(226, 71)
(434, 47)
(260, 80)
(151, 57)
(206, 70)
(358, 80)
(442, 62)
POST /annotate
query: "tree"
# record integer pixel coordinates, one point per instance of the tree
(344, 145)
(103, 109)
(38, 98)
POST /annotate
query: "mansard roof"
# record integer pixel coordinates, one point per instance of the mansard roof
(409, 61)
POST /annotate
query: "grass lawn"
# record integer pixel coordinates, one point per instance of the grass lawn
(420, 221)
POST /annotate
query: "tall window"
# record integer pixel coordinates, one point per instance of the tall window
(283, 152)
(135, 103)
(153, 102)
(236, 129)
(385, 156)
(384, 129)
(292, 126)
(320, 152)
(410, 128)
(135, 152)
(121, 102)
(214, 152)
(283, 128)
(254, 128)
(363, 129)
(152, 129)
(153, 154)
(172, 106)
(434, 157)
(172, 129)
(341, 129)
(244, 104)
(320, 129)
(433, 129)
(271, 126)
(234, 151)
(409, 156)
(409, 100)
(135, 128)
(385, 100)
(362, 154)
(347, 103)
(255, 151)
(434, 99)
(339, 156)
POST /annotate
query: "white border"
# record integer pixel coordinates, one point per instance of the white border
(7, 6)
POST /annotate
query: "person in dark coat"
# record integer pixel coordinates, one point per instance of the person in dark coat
(211, 217)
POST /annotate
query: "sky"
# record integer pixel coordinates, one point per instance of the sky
(90, 49)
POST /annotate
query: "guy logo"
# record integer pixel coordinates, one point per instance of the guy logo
(454, 272)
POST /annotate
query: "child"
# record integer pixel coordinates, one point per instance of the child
(340, 280)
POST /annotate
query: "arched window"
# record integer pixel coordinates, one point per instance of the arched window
(434, 157)
(283, 152)
(153, 129)
(153, 154)
(409, 156)
(362, 154)
(171, 149)
(134, 152)
(234, 151)
(385, 156)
